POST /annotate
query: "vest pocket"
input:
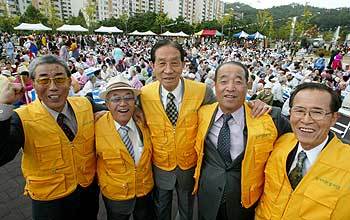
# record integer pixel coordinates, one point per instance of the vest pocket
(46, 187)
(115, 189)
(114, 163)
(49, 153)
(318, 201)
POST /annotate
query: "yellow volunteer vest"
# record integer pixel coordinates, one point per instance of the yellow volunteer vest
(173, 147)
(119, 178)
(52, 165)
(320, 194)
(262, 134)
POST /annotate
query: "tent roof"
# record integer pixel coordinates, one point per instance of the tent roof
(32, 27)
(104, 29)
(146, 33)
(256, 35)
(209, 33)
(73, 28)
(241, 34)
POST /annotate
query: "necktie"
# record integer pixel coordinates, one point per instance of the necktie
(296, 174)
(171, 109)
(60, 121)
(124, 133)
(224, 140)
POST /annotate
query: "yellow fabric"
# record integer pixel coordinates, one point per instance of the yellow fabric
(322, 194)
(52, 165)
(173, 147)
(262, 134)
(119, 177)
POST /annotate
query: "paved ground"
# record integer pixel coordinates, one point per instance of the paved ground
(15, 206)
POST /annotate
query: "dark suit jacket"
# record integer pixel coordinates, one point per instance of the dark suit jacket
(12, 135)
(227, 179)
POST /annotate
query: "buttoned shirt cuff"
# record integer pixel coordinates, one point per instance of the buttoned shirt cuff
(5, 111)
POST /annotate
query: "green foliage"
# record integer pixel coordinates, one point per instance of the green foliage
(33, 15)
(7, 23)
(79, 20)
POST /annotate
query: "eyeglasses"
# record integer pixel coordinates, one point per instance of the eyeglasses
(315, 114)
(119, 99)
(44, 81)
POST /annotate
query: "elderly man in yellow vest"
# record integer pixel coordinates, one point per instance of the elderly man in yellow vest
(232, 148)
(56, 134)
(124, 151)
(308, 173)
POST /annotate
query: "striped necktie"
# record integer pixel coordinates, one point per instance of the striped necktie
(124, 133)
(60, 121)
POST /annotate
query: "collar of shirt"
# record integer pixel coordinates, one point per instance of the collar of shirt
(131, 124)
(55, 114)
(313, 153)
(238, 115)
(177, 92)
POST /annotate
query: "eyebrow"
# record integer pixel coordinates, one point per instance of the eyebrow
(47, 73)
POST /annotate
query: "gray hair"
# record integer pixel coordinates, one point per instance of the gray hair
(47, 59)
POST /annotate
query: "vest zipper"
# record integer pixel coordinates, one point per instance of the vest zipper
(73, 161)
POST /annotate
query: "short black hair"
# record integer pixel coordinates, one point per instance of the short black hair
(335, 99)
(246, 72)
(166, 42)
(47, 59)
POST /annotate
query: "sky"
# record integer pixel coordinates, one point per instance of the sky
(261, 4)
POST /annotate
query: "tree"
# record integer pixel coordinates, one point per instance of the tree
(33, 15)
(90, 14)
(7, 23)
(124, 18)
(265, 23)
(304, 23)
(79, 20)
(162, 21)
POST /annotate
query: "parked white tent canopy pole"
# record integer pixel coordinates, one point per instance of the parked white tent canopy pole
(32, 27)
(104, 29)
(72, 28)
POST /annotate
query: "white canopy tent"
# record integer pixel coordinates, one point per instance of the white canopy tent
(146, 33)
(104, 29)
(73, 28)
(32, 27)
(135, 33)
(171, 34)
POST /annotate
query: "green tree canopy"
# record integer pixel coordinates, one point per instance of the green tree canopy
(33, 15)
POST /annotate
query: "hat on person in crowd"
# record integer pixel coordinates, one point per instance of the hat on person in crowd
(72, 59)
(23, 70)
(118, 83)
(268, 86)
(79, 66)
(6, 73)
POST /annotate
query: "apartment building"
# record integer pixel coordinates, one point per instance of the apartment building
(194, 11)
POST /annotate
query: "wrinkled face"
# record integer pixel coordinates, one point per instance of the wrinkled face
(309, 132)
(168, 66)
(230, 87)
(53, 94)
(121, 103)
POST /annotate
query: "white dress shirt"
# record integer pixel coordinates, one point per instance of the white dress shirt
(177, 92)
(311, 156)
(69, 120)
(236, 125)
(134, 138)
